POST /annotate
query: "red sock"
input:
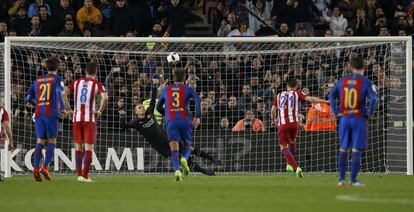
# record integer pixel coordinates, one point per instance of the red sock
(289, 158)
(79, 159)
(87, 163)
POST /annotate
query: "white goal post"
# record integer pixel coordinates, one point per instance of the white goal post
(269, 47)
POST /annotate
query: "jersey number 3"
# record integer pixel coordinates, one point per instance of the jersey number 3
(350, 98)
(176, 99)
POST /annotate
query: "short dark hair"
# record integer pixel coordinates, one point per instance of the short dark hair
(91, 68)
(179, 75)
(357, 62)
(291, 82)
(52, 64)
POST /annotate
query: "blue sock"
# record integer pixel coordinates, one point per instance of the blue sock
(355, 165)
(37, 155)
(50, 152)
(187, 151)
(175, 160)
(342, 165)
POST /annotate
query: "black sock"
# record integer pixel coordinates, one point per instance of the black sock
(198, 152)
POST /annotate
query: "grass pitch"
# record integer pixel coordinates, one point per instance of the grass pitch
(199, 193)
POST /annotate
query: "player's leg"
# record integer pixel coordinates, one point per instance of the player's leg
(52, 125)
(284, 146)
(200, 153)
(174, 136)
(187, 135)
(78, 136)
(90, 136)
(359, 144)
(344, 138)
(195, 167)
(41, 135)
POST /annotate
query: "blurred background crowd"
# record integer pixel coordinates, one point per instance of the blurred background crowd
(234, 87)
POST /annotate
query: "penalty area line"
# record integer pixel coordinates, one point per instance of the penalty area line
(356, 198)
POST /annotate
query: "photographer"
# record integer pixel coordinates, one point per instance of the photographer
(249, 123)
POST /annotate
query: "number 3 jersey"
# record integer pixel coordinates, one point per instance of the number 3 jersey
(287, 104)
(45, 94)
(85, 91)
(352, 91)
(176, 98)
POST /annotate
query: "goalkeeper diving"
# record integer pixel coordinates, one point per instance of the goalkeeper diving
(147, 125)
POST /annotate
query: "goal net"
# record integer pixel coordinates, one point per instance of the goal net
(236, 79)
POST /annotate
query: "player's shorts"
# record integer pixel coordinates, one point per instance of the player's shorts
(84, 132)
(353, 132)
(46, 127)
(287, 133)
(179, 131)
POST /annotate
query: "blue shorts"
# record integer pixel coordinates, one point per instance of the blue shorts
(353, 132)
(46, 127)
(179, 131)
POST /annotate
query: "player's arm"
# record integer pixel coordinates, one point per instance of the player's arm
(154, 92)
(313, 99)
(273, 115)
(197, 102)
(131, 124)
(6, 127)
(31, 97)
(372, 94)
(332, 97)
(104, 102)
(160, 105)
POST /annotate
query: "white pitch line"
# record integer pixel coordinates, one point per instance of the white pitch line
(355, 198)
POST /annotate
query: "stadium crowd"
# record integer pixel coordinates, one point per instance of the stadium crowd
(237, 91)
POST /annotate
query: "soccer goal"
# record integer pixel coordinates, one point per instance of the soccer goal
(237, 78)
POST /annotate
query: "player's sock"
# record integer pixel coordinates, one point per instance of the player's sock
(37, 155)
(292, 149)
(187, 151)
(289, 158)
(195, 167)
(342, 165)
(175, 160)
(79, 160)
(87, 163)
(355, 165)
(50, 152)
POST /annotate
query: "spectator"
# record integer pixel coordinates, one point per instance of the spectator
(35, 27)
(227, 25)
(242, 31)
(266, 29)
(157, 30)
(121, 20)
(246, 96)
(63, 11)
(13, 10)
(106, 10)
(349, 31)
(21, 23)
(337, 22)
(208, 119)
(262, 9)
(224, 124)
(177, 17)
(69, 30)
(284, 30)
(218, 15)
(360, 24)
(87, 32)
(88, 16)
(328, 33)
(263, 113)
(47, 24)
(305, 11)
(34, 8)
(229, 109)
(249, 123)
(384, 31)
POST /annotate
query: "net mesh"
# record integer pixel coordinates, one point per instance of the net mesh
(230, 78)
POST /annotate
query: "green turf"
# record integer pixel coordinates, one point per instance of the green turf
(199, 193)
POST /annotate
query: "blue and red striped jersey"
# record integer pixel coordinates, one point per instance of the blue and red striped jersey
(352, 91)
(45, 94)
(176, 98)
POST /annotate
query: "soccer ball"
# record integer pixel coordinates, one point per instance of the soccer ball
(173, 57)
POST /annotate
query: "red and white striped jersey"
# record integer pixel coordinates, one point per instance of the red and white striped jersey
(85, 91)
(4, 116)
(287, 103)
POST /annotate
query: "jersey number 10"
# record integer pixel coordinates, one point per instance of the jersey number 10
(350, 98)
